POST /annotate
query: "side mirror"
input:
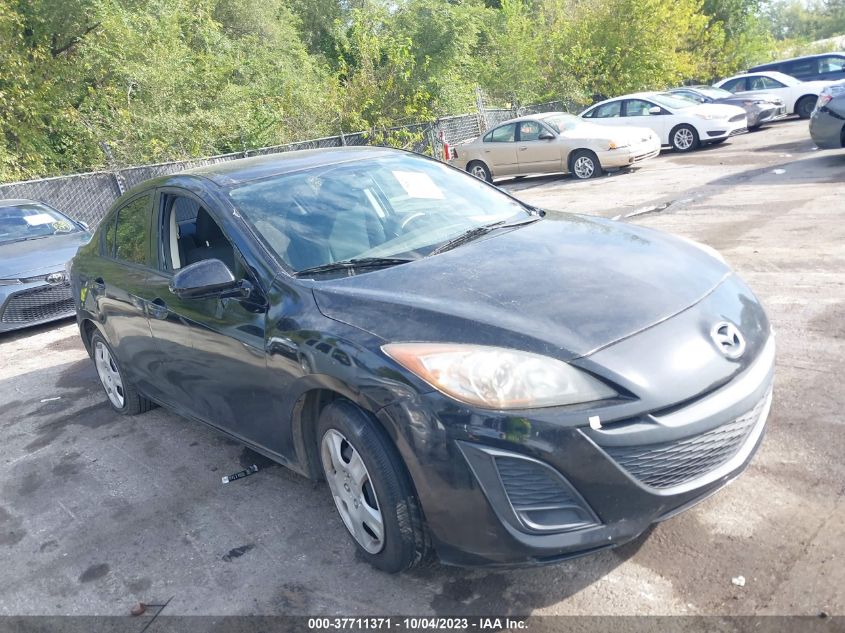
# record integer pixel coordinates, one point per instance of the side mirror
(655, 110)
(545, 135)
(207, 278)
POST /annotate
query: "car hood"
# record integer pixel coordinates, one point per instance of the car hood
(564, 286)
(48, 254)
(720, 110)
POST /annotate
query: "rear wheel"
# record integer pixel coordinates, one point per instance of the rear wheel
(480, 170)
(371, 489)
(584, 164)
(122, 394)
(805, 106)
(684, 138)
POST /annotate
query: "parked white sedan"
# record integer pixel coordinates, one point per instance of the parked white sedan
(798, 96)
(679, 123)
(553, 142)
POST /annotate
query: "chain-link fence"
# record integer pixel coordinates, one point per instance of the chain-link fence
(87, 197)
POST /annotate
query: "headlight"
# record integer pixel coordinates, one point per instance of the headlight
(617, 145)
(496, 377)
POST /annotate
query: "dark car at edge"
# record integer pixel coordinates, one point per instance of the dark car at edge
(473, 378)
(36, 242)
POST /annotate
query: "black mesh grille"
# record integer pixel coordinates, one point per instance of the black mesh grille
(39, 304)
(675, 463)
(531, 485)
(741, 130)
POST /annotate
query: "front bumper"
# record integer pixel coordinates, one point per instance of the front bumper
(612, 482)
(631, 155)
(27, 304)
(716, 129)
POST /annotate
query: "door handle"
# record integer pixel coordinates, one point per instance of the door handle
(157, 309)
(523, 148)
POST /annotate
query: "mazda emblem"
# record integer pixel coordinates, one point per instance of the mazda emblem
(728, 339)
(55, 278)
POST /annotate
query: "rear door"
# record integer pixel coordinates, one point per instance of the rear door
(535, 155)
(119, 288)
(609, 113)
(499, 150)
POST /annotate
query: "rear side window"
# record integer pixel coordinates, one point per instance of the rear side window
(802, 68)
(132, 230)
(608, 110)
(503, 134)
(108, 237)
(833, 64)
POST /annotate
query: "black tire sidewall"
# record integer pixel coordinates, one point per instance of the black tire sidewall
(95, 338)
(488, 177)
(388, 478)
(597, 170)
(695, 142)
(800, 107)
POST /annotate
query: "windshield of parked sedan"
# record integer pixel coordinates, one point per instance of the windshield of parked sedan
(391, 206)
(715, 93)
(32, 221)
(671, 101)
(562, 122)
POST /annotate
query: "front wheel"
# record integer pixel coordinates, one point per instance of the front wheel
(122, 394)
(371, 489)
(805, 106)
(584, 164)
(480, 171)
(684, 138)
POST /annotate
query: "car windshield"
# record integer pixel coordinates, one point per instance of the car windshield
(562, 122)
(671, 101)
(714, 93)
(398, 206)
(32, 221)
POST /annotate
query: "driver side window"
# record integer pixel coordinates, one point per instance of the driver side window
(190, 234)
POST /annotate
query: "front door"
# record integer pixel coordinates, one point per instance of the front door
(638, 112)
(213, 358)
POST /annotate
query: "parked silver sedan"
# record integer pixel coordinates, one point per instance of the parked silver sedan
(759, 108)
(554, 142)
(827, 123)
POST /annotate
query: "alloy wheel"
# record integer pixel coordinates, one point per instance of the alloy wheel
(109, 375)
(479, 172)
(353, 491)
(584, 167)
(684, 138)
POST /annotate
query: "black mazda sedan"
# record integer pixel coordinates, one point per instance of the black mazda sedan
(471, 378)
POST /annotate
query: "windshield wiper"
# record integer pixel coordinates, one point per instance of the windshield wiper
(478, 231)
(354, 264)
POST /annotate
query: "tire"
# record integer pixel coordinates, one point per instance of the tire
(805, 106)
(121, 394)
(684, 138)
(584, 164)
(480, 170)
(369, 482)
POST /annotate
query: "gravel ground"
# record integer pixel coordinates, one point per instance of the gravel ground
(98, 511)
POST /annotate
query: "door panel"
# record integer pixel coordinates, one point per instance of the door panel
(637, 112)
(537, 156)
(499, 152)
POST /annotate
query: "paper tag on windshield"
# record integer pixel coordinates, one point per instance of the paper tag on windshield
(38, 219)
(418, 185)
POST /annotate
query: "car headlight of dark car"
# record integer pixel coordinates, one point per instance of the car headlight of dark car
(496, 377)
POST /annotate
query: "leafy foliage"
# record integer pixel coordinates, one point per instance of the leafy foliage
(88, 84)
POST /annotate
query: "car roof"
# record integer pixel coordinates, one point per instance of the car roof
(752, 73)
(540, 116)
(242, 170)
(795, 59)
(634, 95)
(12, 202)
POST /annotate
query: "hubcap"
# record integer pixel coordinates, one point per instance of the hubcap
(584, 167)
(353, 491)
(478, 172)
(109, 375)
(683, 138)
